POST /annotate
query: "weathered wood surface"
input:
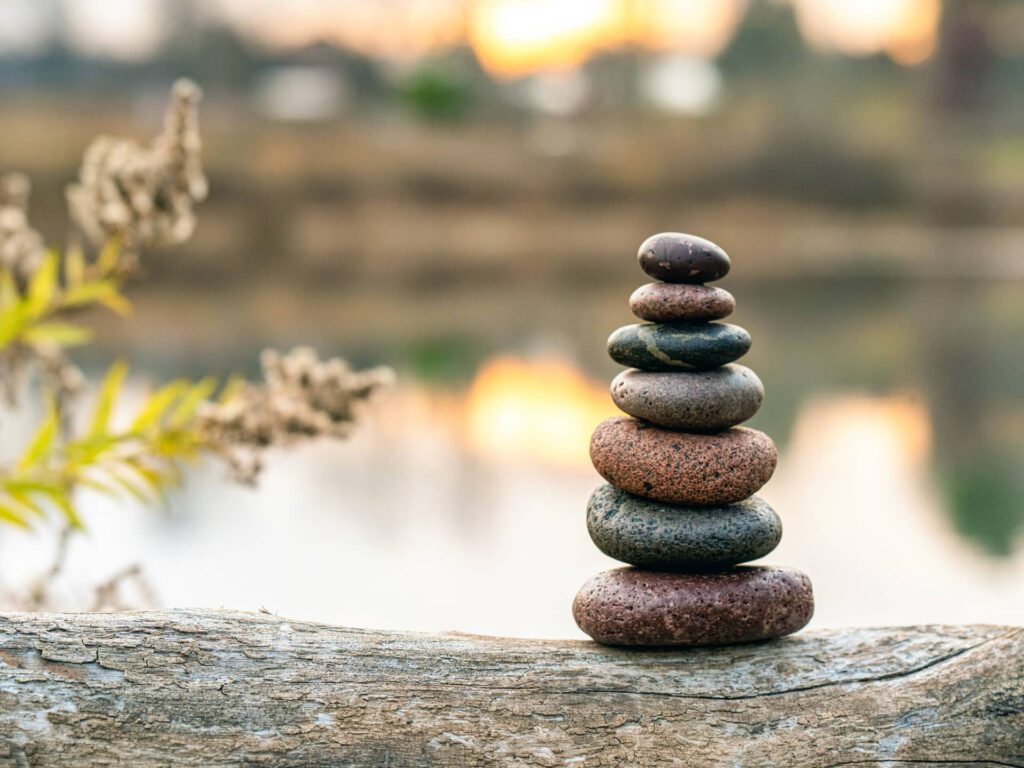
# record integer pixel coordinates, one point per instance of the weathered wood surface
(226, 688)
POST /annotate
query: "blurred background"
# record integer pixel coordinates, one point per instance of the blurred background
(457, 188)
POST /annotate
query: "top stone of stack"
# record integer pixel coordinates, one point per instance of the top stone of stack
(674, 257)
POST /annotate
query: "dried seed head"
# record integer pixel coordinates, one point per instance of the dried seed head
(302, 398)
(21, 246)
(144, 196)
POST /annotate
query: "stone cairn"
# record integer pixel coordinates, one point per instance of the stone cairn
(680, 505)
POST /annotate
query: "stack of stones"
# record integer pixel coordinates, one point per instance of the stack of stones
(680, 505)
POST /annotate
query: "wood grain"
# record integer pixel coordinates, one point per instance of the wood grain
(218, 688)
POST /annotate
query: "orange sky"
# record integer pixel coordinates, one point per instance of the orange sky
(517, 37)
(514, 37)
(905, 29)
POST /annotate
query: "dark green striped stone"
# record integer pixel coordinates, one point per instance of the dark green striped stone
(663, 347)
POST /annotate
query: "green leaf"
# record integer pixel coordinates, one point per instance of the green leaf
(88, 293)
(43, 285)
(97, 485)
(13, 309)
(26, 501)
(176, 445)
(74, 267)
(124, 483)
(12, 516)
(154, 408)
(190, 403)
(21, 485)
(42, 443)
(63, 503)
(109, 391)
(81, 453)
(152, 478)
(234, 386)
(106, 292)
(8, 289)
(109, 256)
(61, 334)
(114, 300)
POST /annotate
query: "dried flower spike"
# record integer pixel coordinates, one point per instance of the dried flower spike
(21, 246)
(144, 196)
(302, 398)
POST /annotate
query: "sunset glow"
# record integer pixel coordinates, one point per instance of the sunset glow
(694, 27)
(401, 30)
(123, 29)
(539, 410)
(905, 29)
(516, 37)
(519, 36)
(864, 428)
(513, 37)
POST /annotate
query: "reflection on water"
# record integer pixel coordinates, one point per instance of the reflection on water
(898, 408)
(543, 409)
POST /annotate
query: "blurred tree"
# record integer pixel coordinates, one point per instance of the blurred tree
(768, 43)
(435, 94)
(984, 498)
(964, 60)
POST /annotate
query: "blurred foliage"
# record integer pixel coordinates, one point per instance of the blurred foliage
(30, 318)
(444, 360)
(767, 43)
(985, 500)
(129, 197)
(436, 95)
(141, 459)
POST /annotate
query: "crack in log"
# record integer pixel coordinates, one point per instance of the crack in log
(899, 675)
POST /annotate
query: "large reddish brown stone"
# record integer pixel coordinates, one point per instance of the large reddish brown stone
(630, 606)
(681, 468)
(681, 302)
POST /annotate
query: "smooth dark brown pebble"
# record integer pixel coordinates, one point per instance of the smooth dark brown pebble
(682, 468)
(703, 401)
(633, 607)
(681, 302)
(676, 257)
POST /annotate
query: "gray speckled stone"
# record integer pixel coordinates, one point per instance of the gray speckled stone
(690, 401)
(658, 347)
(680, 258)
(666, 537)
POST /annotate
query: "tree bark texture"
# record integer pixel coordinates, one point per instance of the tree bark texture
(217, 688)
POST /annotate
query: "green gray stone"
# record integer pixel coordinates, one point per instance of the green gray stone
(651, 534)
(663, 347)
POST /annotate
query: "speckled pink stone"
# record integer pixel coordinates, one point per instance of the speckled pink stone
(634, 607)
(679, 467)
(680, 302)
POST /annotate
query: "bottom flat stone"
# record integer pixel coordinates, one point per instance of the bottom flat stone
(629, 606)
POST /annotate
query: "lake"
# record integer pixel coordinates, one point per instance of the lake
(897, 404)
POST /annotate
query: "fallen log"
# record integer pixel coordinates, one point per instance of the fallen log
(228, 688)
